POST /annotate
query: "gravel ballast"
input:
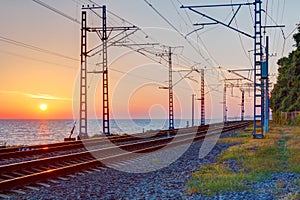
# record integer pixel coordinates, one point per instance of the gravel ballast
(166, 183)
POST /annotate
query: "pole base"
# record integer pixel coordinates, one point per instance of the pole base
(69, 139)
(258, 136)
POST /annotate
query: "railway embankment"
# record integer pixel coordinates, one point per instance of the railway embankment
(237, 167)
(266, 168)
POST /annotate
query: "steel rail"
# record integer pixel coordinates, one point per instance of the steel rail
(61, 158)
(92, 162)
(25, 151)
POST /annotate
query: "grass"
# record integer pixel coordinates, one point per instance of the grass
(254, 160)
(215, 178)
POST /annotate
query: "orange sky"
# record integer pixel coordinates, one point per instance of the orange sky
(29, 78)
(27, 84)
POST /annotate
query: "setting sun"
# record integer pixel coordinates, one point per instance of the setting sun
(43, 107)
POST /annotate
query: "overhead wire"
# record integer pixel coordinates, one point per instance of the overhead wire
(198, 37)
(281, 20)
(123, 19)
(241, 41)
(140, 51)
(220, 72)
(56, 11)
(35, 48)
(267, 9)
(24, 45)
(167, 22)
(35, 59)
(275, 37)
(186, 24)
(250, 11)
(146, 35)
(283, 9)
(74, 20)
(164, 18)
(170, 24)
(271, 31)
(130, 23)
(284, 42)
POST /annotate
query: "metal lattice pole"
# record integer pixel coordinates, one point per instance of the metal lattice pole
(83, 79)
(258, 82)
(224, 105)
(171, 106)
(266, 74)
(106, 130)
(202, 98)
(103, 33)
(243, 105)
(193, 109)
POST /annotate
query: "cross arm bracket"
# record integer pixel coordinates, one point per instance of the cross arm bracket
(192, 8)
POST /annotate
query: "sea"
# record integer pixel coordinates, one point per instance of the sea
(33, 132)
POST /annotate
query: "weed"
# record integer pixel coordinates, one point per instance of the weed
(257, 159)
(216, 178)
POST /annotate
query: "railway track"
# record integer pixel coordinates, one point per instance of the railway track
(36, 171)
(26, 153)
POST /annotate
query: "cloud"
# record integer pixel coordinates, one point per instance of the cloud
(36, 96)
(47, 97)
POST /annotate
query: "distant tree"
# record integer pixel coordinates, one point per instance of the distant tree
(297, 37)
(285, 97)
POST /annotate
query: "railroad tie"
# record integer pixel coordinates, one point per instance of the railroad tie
(7, 176)
(43, 184)
(31, 187)
(62, 178)
(53, 181)
(4, 196)
(18, 191)
(17, 173)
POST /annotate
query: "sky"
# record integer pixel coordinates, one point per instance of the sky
(40, 57)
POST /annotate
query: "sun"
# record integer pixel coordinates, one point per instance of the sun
(43, 107)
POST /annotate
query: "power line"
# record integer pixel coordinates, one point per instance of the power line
(122, 19)
(28, 46)
(56, 11)
(283, 48)
(126, 21)
(275, 36)
(35, 59)
(240, 39)
(186, 24)
(283, 8)
(146, 35)
(70, 67)
(250, 11)
(168, 22)
(267, 9)
(276, 19)
(165, 19)
(198, 37)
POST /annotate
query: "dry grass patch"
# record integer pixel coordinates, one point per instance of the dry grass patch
(215, 178)
(233, 140)
(255, 160)
(294, 161)
(293, 144)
